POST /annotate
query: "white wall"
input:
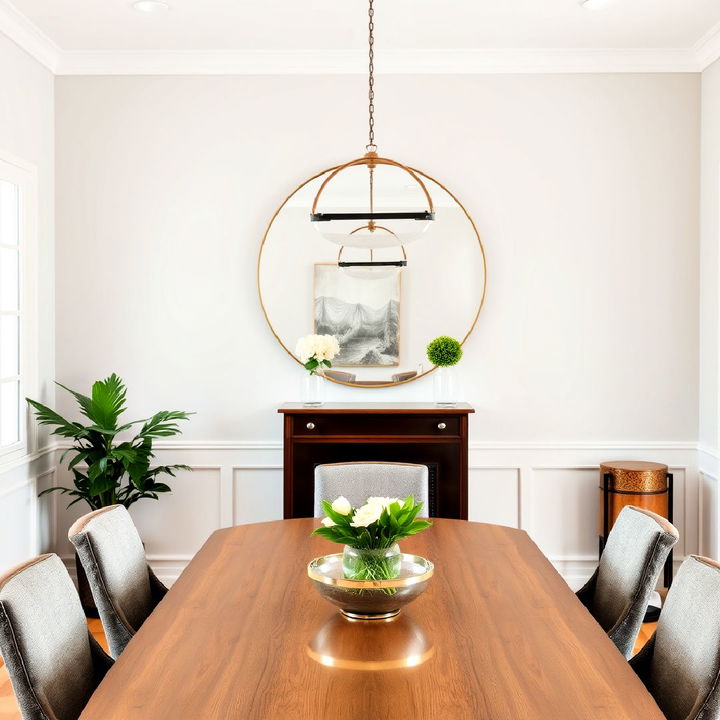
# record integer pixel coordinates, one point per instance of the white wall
(585, 191)
(27, 133)
(709, 316)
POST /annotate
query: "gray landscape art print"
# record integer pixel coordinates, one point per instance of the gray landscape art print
(363, 314)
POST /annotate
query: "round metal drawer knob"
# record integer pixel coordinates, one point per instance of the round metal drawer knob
(310, 426)
(441, 426)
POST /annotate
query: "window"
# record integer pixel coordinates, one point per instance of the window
(17, 205)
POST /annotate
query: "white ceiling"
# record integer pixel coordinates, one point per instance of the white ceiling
(663, 32)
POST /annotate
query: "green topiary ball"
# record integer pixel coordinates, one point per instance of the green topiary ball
(444, 351)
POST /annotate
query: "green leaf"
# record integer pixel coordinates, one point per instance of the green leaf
(80, 457)
(101, 484)
(161, 487)
(336, 517)
(108, 401)
(83, 400)
(163, 424)
(63, 427)
(418, 526)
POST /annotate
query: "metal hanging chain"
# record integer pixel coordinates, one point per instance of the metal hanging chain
(371, 146)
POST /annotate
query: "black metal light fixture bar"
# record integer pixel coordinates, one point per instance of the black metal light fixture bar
(326, 217)
(384, 263)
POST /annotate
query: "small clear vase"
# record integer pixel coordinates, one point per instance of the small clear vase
(445, 387)
(372, 564)
(313, 390)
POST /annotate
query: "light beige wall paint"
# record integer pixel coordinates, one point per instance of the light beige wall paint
(709, 216)
(27, 133)
(709, 315)
(585, 190)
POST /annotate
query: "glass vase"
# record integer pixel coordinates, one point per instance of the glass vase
(313, 390)
(371, 564)
(445, 387)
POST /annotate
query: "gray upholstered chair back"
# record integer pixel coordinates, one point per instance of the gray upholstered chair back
(618, 593)
(358, 481)
(53, 662)
(680, 664)
(124, 588)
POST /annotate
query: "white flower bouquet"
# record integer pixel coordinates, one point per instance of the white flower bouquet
(317, 351)
(370, 534)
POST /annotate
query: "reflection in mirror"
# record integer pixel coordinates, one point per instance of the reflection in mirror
(383, 316)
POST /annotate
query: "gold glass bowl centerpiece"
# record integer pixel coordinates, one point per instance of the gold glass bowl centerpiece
(371, 579)
(370, 599)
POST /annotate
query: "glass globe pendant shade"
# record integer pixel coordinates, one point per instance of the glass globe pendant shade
(340, 232)
(371, 273)
(372, 269)
(402, 225)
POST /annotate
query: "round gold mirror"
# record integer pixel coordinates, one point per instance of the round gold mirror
(384, 305)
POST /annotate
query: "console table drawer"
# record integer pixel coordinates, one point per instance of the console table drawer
(324, 424)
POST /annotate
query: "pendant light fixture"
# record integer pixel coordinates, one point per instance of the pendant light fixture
(398, 227)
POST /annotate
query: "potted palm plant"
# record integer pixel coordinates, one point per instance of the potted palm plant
(111, 462)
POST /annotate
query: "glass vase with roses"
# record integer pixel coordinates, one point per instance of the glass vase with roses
(370, 534)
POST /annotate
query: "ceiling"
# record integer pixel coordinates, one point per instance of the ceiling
(672, 34)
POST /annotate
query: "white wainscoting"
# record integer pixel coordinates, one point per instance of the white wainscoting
(26, 521)
(548, 490)
(708, 499)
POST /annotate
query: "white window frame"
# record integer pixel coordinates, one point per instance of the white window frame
(24, 174)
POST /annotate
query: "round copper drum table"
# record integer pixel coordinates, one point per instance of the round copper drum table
(632, 482)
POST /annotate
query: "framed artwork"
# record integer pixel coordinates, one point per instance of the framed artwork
(363, 314)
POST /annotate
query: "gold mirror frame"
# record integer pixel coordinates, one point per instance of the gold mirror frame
(335, 169)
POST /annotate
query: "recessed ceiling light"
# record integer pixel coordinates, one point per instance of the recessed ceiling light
(149, 6)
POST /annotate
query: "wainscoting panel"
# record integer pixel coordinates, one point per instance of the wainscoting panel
(564, 511)
(18, 539)
(494, 496)
(708, 523)
(25, 520)
(257, 494)
(180, 522)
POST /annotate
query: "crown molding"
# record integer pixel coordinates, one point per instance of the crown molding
(26, 35)
(347, 62)
(21, 30)
(30, 38)
(707, 48)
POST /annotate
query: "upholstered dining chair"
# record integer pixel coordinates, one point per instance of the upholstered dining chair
(124, 587)
(358, 481)
(618, 593)
(680, 664)
(53, 661)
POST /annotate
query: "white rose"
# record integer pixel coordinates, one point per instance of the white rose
(321, 347)
(303, 348)
(383, 502)
(366, 515)
(342, 506)
(327, 522)
(332, 346)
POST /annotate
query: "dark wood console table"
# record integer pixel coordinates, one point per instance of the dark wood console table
(395, 432)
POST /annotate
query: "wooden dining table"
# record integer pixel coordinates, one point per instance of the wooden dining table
(497, 635)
